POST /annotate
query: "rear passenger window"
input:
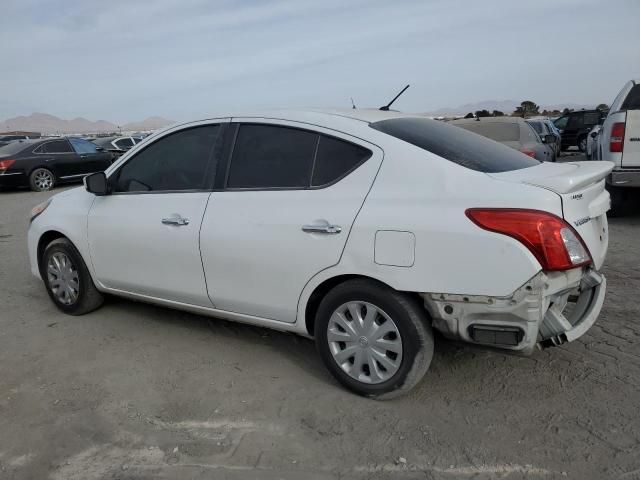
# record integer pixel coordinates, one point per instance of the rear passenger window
(336, 158)
(57, 146)
(268, 156)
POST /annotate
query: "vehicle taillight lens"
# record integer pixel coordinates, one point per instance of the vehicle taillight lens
(555, 244)
(530, 153)
(617, 137)
(5, 164)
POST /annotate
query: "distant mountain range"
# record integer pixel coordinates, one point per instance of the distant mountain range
(505, 106)
(47, 124)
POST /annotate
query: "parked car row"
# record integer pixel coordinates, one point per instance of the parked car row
(575, 127)
(43, 163)
(117, 145)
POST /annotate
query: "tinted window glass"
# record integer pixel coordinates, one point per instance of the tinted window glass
(124, 143)
(592, 118)
(575, 121)
(632, 102)
(176, 162)
(561, 122)
(267, 156)
(498, 131)
(57, 146)
(455, 144)
(82, 146)
(537, 126)
(12, 148)
(335, 158)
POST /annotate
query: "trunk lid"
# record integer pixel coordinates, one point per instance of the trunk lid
(585, 201)
(631, 145)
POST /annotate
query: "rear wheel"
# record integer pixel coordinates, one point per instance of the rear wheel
(582, 144)
(41, 180)
(67, 279)
(375, 341)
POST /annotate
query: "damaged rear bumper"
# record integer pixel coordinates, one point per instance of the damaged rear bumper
(550, 309)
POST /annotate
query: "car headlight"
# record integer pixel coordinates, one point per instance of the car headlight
(38, 209)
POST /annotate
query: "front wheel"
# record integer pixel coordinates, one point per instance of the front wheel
(375, 341)
(67, 279)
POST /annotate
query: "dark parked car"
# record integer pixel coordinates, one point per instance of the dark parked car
(41, 164)
(116, 145)
(513, 132)
(575, 126)
(543, 127)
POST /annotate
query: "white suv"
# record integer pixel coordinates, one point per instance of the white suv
(619, 142)
(362, 229)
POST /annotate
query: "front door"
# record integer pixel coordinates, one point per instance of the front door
(286, 210)
(144, 237)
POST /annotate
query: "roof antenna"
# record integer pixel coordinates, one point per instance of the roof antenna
(353, 105)
(386, 107)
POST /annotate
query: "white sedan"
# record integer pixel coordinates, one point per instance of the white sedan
(362, 229)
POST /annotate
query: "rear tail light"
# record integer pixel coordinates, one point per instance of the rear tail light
(5, 164)
(549, 238)
(617, 137)
(530, 153)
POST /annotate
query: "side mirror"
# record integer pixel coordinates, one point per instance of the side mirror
(594, 134)
(549, 138)
(97, 183)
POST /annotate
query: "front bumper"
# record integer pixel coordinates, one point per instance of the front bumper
(549, 310)
(624, 178)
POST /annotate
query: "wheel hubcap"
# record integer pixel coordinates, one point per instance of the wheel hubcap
(365, 342)
(43, 180)
(63, 278)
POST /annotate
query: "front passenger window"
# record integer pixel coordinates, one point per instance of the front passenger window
(176, 162)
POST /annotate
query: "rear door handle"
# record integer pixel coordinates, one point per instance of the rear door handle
(322, 227)
(176, 220)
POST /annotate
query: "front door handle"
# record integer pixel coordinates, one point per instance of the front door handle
(322, 227)
(176, 220)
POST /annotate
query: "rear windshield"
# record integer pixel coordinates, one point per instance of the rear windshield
(500, 132)
(537, 126)
(632, 102)
(13, 148)
(456, 145)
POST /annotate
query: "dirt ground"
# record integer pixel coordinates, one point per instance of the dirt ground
(134, 391)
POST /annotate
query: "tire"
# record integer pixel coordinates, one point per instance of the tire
(62, 259)
(582, 144)
(617, 201)
(408, 349)
(42, 180)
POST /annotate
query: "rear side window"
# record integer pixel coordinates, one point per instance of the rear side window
(632, 102)
(57, 146)
(124, 143)
(455, 144)
(267, 156)
(335, 159)
(592, 118)
(173, 163)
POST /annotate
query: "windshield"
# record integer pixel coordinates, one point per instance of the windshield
(455, 144)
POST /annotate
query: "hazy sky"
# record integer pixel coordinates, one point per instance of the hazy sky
(123, 60)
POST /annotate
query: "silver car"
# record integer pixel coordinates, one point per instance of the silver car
(513, 132)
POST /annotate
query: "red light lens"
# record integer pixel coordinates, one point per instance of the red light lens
(540, 232)
(529, 153)
(4, 164)
(617, 137)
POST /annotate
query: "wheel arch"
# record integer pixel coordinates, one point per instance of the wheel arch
(45, 239)
(324, 287)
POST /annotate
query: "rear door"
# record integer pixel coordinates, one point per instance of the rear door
(144, 237)
(283, 214)
(60, 158)
(92, 160)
